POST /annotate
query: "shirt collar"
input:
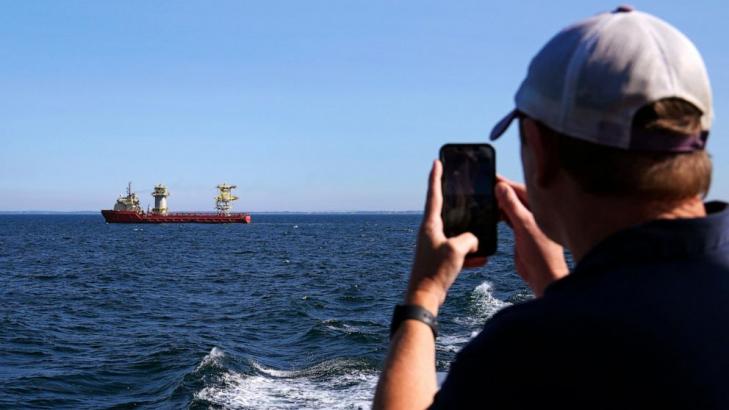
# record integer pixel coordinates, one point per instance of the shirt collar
(662, 239)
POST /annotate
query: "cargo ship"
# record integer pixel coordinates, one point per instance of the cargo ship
(127, 209)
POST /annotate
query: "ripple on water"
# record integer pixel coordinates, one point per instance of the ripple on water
(98, 315)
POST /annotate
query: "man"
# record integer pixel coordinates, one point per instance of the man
(613, 118)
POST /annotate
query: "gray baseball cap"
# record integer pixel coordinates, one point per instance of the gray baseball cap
(591, 78)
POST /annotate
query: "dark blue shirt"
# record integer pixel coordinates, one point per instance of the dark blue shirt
(641, 322)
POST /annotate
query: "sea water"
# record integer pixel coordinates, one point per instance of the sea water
(291, 311)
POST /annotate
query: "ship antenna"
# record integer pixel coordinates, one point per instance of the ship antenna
(129, 188)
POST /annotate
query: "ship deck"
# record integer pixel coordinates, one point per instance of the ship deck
(174, 217)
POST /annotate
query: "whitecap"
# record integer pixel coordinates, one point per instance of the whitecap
(310, 388)
(342, 327)
(453, 343)
(483, 305)
(485, 302)
(213, 358)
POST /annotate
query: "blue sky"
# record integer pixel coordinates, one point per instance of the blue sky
(305, 105)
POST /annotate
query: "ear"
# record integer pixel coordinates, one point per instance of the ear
(544, 152)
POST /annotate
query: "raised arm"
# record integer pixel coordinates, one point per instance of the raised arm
(538, 260)
(408, 380)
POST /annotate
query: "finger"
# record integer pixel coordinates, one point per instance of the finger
(434, 202)
(501, 178)
(464, 243)
(510, 204)
(521, 193)
(505, 218)
(474, 261)
(520, 189)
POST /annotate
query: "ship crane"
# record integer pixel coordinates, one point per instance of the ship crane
(224, 198)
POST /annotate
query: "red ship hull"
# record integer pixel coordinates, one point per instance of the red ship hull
(131, 217)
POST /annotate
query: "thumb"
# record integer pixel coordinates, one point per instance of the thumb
(510, 203)
(464, 243)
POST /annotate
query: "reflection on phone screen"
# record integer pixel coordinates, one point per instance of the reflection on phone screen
(468, 191)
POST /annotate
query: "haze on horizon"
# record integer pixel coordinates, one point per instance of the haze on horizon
(306, 106)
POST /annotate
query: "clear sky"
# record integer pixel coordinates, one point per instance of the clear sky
(305, 105)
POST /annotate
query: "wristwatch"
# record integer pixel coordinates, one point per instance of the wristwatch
(415, 312)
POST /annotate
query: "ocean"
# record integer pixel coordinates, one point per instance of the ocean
(291, 311)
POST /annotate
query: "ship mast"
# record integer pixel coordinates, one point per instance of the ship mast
(224, 198)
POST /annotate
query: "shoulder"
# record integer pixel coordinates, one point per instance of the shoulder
(509, 329)
(493, 364)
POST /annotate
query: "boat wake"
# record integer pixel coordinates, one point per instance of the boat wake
(334, 384)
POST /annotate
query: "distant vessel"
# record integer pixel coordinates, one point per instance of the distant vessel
(127, 209)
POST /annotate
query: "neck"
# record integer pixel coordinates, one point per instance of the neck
(596, 218)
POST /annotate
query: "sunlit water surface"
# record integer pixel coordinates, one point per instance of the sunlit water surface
(291, 311)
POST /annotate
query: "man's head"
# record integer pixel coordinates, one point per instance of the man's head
(621, 104)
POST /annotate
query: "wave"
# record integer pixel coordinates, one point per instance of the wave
(485, 302)
(212, 359)
(483, 305)
(453, 343)
(333, 384)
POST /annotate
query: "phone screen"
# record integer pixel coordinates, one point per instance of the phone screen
(469, 205)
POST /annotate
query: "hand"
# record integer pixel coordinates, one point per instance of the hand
(539, 260)
(438, 259)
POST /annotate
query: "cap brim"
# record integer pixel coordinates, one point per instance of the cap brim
(503, 125)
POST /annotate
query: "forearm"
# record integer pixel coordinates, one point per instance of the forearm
(408, 380)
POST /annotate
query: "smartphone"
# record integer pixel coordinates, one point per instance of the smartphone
(469, 204)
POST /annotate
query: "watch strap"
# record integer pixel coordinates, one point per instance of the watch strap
(414, 312)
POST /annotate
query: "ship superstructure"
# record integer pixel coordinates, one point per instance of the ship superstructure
(130, 202)
(128, 210)
(160, 195)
